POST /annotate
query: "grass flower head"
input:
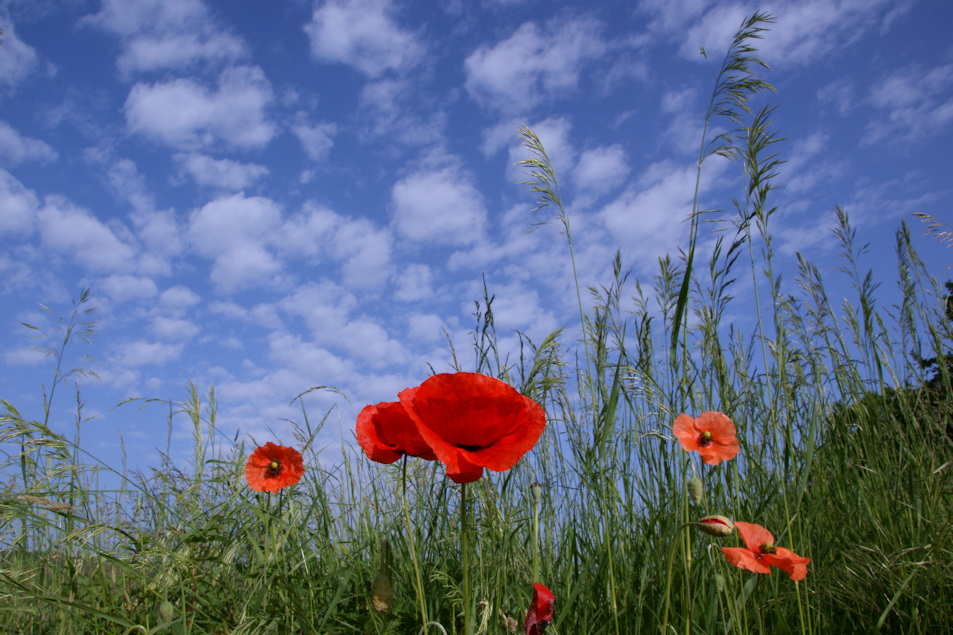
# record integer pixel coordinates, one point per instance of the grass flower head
(273, 467)
(712, 435)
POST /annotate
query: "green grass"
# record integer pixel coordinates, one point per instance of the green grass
(846, 456)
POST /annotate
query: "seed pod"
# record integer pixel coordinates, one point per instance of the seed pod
(718, 526)
(696, 490)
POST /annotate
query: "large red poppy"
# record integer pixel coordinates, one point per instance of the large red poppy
(540, 611)
(761, 552)
(712, 435)
(273, 467)
(472, 422)
(386, 433)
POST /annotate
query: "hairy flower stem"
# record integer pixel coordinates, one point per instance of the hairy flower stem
(413, 548)
(466, 561)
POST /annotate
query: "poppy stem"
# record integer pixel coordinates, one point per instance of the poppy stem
(466, 562)
(413, 548)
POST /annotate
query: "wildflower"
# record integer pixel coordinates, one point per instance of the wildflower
(472, 422)
(712, 435)
(273, 467)
(761, 552)
(386, 433)
(718, 526)
(540, 611)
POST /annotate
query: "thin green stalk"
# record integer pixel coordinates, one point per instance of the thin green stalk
(466, 559)
(413, 547)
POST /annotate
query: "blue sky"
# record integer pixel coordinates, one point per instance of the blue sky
(270, 196)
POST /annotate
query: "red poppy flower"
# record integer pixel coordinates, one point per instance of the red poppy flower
(761, 552)
(540, 611)
(386, 433)
(273, 467)
(472, 422)
(712, 435)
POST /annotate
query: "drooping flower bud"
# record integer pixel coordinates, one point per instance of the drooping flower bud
(718, 526)
(696, 490)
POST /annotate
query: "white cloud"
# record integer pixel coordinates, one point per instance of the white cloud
(170, 328)
(121, 287)
(184, 114)
(142, 353)
(601, 169)
(414, 283)
(915, 103)
(18, 204)
(17, 58)
(316, 140)
(15, 148)
(68, 229)
(160, 34)
(220, 173)
(532, 64)
(362, 248)
(178, 298)
(161, 235)
(361, 33)
(438, 206)
(804, 30)
(649, 219)
(234, 231)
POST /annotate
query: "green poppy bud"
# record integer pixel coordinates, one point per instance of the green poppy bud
(696, 490)
(537, 490)
(719, 583)
(718, 526)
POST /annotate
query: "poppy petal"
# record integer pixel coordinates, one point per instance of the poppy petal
(745, 559)
(386, 433)
(472, 421)
(754, 535)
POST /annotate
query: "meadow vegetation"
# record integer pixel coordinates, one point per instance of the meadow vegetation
(844, 416)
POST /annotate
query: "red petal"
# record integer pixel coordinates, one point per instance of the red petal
(386, 433)
(754, 535)
(684, 430)
(472, 421)
(745, 559)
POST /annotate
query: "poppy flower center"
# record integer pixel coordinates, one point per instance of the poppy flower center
(768, 548)
(705, 438)
(274, 468)
(469, 448)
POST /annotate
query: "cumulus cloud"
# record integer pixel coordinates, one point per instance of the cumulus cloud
(804, 30)
(18, 204)
(601, 168)
(362, 248)
(121, 287)
(185, 114)
(234, 232)
(15, 148)
(316, 140)
(534, 63)
(162, 34)
(225, 174)
(362, 34)
(143, 353)
(439, 206)
(68, 229)
(18, 58)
